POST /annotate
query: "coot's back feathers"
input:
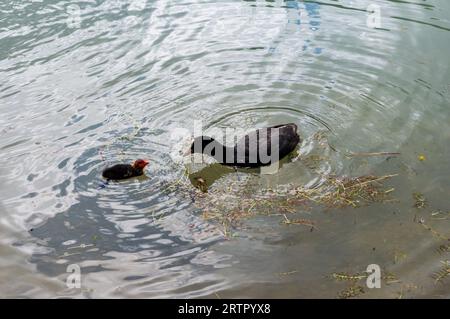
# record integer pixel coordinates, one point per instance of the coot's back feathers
(261, 147)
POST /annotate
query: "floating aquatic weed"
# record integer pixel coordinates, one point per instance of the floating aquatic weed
(432, 230)
(440, 215)
(355, 289)
(443, 249)
(390, 278)
(443, 273)
(305, 222)
(231, 203)
(351, 192)
(420, 201)
(351, 292)
(341, 276)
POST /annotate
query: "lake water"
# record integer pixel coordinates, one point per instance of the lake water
(91, 83)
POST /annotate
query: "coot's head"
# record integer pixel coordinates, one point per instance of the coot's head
(140, 163)
(200, 143)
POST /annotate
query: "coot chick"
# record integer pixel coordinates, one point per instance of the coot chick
(262, 147)
(123, 171)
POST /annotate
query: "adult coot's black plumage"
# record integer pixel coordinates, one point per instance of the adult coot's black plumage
(123, 171)
(259, 148)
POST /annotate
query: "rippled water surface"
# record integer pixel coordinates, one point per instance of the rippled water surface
(91, 83)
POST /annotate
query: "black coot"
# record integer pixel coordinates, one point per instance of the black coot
(262, 147)
(123, 171)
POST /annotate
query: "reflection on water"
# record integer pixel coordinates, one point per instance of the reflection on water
(88, 84)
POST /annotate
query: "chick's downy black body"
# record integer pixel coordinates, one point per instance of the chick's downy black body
(124, 171)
